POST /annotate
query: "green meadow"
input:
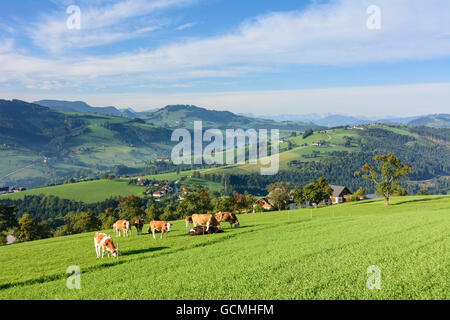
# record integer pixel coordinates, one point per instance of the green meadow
(303, 254)
(88, 192)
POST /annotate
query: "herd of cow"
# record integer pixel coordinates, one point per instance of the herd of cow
(202, 224)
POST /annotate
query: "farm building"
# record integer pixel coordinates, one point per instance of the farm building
(263, 202)
(340, 194)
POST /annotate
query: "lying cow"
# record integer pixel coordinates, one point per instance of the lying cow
(200, 230)
(104, 242)
(228, 217)
(188, 220)
(122, 225)
(205, 220)
(139, 224)
(160, 226)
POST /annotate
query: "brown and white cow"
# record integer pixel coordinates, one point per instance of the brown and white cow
(122, 225)
(160, 226)
(103, 242)
(188, 220)
(139, 224)
(205, 220)
(228, 217)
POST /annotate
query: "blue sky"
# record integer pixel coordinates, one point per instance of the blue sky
(262, 57)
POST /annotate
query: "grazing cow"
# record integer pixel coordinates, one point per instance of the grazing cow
(188, 220)
(205, 220)
(200, 230)
(160, 226)
(139, 224)
(122, 225)
(104, 242)
(228, 217)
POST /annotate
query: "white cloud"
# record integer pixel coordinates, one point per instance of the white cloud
(330, 34)
(101, 23)
(186, 26)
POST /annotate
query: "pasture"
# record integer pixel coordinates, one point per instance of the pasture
(88, 191)
(278, 255)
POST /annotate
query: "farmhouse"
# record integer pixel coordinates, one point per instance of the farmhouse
(141, 181)
(263, 202)
(319, 144)
(340, 194)
(158, 194)
(11, 189)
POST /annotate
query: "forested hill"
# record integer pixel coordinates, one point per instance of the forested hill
(438, 121)
(183, 116)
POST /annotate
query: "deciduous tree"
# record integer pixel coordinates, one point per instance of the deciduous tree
(386, 175)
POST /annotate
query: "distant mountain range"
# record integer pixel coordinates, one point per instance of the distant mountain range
(183, 115)
(83, 107)
(337, 120)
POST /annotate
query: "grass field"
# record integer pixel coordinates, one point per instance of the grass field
(88, 192)
(277, 255)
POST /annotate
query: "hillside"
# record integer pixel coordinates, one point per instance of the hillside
(83, 107)
(306, 254)
(40, 145)
(183, 116)
(437, 121)
(346, 150)
(77, 106)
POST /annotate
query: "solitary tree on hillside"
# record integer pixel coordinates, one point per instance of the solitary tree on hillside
(386, 175)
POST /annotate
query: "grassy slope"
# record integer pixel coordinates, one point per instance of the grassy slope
(89, 192)
(281, 257)
(99, 190)
(334, 138)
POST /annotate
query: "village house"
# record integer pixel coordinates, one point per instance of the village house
(263, 202)
(11, 189)
(141, 182)
(340, 194)
(158, 194)
(319, 144)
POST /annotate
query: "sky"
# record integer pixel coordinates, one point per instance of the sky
(365, 57)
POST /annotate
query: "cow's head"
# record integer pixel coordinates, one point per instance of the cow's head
(111, 248)
(168, 226)
(219, 216)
